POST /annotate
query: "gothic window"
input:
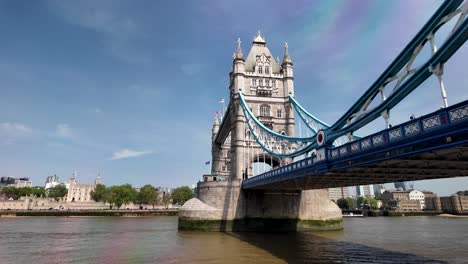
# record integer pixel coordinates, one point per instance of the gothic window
(260, 69)
(260, 82)
(264, 110)
(274, 83)
(224, 168)
(254, 82)
(279, 113)
(267, 82)
(267, 70)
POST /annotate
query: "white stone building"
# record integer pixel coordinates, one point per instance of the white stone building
(79, 192)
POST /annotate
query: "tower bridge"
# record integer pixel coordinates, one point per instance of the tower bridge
(262, 119)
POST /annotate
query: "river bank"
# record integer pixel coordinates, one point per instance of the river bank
(74, 213)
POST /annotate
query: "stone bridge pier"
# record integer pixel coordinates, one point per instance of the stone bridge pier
(224, 206)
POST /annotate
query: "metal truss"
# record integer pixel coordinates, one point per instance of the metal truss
(402, 76)
(273, 143)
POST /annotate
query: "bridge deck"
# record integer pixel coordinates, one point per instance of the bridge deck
(430, 147)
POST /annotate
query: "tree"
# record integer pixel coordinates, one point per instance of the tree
(360, 201)
(120, 195)
(58, 191)
(342, 203)
(181, 195)
(350, 202)
(99, 193)
(147, 195)
(38, 191)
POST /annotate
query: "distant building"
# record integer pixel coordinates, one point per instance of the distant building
(403, 185)
(365, 191)
(5, 180)
(15, 182)
(432, 201)
(78, 192)
(455, 204)
(378, 189)
(52, 181)
(404, 200)
(338, 193)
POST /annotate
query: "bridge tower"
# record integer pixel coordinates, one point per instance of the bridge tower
(221, 204)
(266, 85)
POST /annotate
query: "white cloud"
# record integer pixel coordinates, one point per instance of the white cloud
(127, 153)
(11, 132)
(64, 131)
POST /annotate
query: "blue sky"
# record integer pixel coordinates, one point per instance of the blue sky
(129, 89)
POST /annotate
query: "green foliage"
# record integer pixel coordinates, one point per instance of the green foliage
(367, 202)
(148, 195)
(120, 195)
(15, 193)
(57, 192)
(351, 203)
(342, 203)
(181, 195)
(99, 193)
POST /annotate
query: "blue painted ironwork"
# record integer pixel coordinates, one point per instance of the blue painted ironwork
(443, 123)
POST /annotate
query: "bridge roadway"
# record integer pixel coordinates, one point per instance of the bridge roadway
(429, 147)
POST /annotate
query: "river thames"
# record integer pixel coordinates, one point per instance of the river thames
(156, 240)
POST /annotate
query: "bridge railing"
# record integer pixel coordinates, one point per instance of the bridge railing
(409, 130)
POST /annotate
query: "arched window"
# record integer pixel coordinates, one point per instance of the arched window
(264, 110)
(267, 82)
(260, 69)
(279, 113)
(267, 70)
(274, 83)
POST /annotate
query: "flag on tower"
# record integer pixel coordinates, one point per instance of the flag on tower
(207, 163)
(221, 101)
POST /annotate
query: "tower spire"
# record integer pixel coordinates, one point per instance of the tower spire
(238, 54)
(259, 39)
(286, 58)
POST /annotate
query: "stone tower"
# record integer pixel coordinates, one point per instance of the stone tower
(266, 86)
(221, 203)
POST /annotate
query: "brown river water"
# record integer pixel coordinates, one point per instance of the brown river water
(37, 240)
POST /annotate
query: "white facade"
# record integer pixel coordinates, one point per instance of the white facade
(418, 195)
(78, 192)
(365, 191)
(338, 193)
(21, 183)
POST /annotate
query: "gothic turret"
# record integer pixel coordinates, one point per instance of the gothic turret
(287, 67)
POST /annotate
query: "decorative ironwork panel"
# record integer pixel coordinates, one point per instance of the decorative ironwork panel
(459, 113)
(343, 150)
(412, 128)
(320, 155)
(394, 134)
(431, 122)
(355, 147)
(365, 143)
(378, 139)
(334, 153)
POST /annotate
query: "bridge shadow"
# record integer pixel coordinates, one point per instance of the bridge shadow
(307, 247)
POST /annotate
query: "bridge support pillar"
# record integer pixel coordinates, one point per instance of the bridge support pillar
(224, 206)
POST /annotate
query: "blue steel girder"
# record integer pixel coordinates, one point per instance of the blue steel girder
(269, 140)
(449, 47)
(437, 132)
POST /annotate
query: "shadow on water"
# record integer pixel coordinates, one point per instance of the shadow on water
(306, 247)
